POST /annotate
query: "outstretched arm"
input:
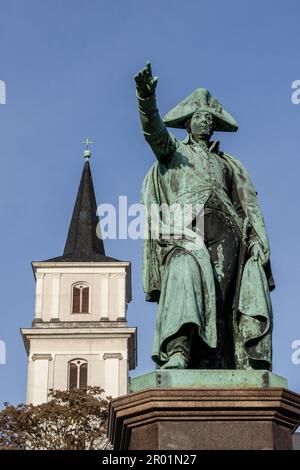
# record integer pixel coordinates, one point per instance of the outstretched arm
(160, 140)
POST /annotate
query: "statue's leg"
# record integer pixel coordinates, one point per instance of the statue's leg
(182, 302)
(222, 241)
(180, 310)
(178, 348)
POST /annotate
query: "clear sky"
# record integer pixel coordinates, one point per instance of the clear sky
(68, 66)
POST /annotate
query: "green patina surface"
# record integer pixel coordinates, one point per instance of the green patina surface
(185, 278)
(206, 379)
(220, 263)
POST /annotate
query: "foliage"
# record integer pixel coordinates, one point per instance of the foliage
(75, 419)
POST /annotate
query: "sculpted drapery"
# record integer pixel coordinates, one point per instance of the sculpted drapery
(214, 300)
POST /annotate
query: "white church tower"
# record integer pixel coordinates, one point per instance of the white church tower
(79, 336)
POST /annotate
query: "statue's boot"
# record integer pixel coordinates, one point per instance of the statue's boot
(176, 361)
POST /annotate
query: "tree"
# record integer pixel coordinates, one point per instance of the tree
(75, 419)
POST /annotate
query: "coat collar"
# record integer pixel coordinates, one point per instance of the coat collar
(213, 145)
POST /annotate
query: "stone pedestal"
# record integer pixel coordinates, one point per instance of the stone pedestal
(196, 418)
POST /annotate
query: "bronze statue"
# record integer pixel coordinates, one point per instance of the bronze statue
(214, 301)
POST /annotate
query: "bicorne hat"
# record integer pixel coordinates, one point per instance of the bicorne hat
(200, 100)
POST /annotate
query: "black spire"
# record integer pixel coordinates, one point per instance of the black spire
(82, 243)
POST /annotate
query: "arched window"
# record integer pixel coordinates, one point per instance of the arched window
(77, 373)
(80, 298)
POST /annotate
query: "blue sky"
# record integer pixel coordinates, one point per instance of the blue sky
(68, 66)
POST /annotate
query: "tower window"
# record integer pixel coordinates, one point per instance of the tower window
(77, 374)
(80, 298)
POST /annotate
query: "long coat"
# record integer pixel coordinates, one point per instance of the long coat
(253, 326)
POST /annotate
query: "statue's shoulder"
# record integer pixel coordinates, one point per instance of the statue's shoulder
(234, 163)
(229, 158)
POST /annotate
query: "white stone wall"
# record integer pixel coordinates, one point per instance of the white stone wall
(38, 379)
(105, 349)
(107, 360)
(110, 291)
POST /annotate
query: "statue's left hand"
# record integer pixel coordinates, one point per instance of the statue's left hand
(257, 253)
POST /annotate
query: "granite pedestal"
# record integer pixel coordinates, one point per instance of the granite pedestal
(194, 410)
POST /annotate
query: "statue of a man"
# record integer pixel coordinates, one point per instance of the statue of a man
(214, 301)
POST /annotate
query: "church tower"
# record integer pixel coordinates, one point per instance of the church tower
(79, 336)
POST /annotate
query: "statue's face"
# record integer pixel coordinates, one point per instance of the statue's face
(201, 125)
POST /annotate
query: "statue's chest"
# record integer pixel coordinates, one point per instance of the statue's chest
(197, 170)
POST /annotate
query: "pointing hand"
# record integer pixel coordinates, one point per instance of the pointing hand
(145, 82)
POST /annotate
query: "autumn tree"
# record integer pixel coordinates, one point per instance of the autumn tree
(75, 419)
